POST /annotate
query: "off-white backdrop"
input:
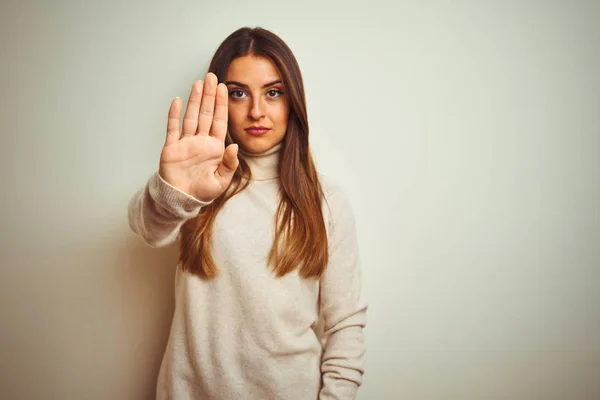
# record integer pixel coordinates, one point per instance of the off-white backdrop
(467, 135)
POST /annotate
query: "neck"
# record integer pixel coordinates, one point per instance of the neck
(263, 165)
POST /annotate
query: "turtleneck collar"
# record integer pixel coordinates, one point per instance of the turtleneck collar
(263, 165)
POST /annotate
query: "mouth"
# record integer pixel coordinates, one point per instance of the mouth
(257, 130)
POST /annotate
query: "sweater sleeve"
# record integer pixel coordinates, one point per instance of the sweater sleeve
(343, 308)
(158, 210)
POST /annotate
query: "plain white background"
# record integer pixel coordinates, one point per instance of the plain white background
(467, 135)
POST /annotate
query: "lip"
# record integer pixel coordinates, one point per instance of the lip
(257, 130)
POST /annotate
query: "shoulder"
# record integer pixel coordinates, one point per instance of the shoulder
(332, 191)
(337, 206)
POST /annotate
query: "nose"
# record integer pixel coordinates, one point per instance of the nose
(257, 108)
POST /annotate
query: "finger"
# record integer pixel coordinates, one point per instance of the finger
(190, 119)
(219, 123)
(207, 108)
(173, 121)
(228, 165)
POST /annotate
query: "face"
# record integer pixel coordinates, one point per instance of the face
(258, 104)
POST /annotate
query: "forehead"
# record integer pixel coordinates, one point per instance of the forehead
(252, 70)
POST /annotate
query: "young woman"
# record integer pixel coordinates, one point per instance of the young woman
(268, 286)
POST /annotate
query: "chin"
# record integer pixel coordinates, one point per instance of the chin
(256, 145)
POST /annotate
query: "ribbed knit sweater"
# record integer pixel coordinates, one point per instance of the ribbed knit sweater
(247, 334)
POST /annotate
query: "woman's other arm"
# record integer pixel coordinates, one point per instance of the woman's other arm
(343, 307)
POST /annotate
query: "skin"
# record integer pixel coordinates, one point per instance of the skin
(256, 98)
(194, 158)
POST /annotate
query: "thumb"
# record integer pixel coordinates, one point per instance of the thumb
(229, 164)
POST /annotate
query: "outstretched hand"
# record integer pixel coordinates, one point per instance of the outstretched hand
(194, 159)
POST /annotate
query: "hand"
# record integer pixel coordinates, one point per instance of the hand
(195, 160)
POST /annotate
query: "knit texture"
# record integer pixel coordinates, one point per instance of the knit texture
(248, 334)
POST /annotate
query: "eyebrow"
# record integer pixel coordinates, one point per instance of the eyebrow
(246, 86)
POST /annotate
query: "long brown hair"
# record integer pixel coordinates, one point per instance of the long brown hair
(300, 240)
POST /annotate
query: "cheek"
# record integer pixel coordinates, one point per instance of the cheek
(281, 113)
(235, 116)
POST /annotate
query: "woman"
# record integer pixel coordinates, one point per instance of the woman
(268, 293)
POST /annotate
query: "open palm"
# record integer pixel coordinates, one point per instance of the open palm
(194, 159)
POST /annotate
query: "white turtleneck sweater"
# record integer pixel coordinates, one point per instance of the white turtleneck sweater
(247, 334)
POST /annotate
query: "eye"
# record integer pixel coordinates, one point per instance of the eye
(274, 93)
(237, 94)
